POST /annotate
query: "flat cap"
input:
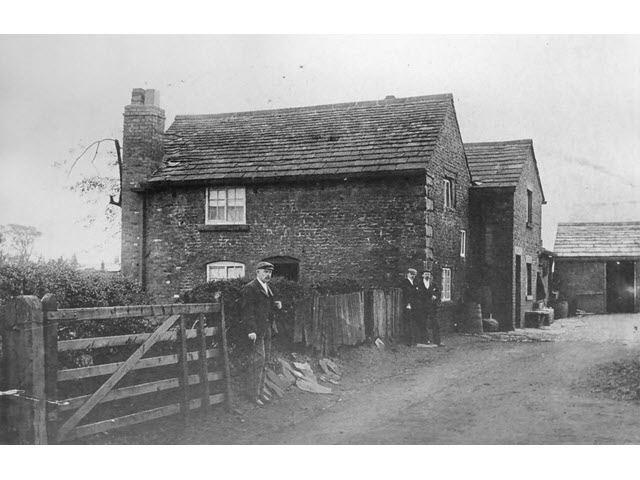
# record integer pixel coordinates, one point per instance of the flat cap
(412, 270)
(264, 266)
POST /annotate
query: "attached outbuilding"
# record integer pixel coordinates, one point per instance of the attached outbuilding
(596, 266)
(505, 218)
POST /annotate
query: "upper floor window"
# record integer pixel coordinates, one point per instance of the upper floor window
(449, 193)
(463, 243)
(224, 270)
(529, 208)
(446, 284)
(226, 206)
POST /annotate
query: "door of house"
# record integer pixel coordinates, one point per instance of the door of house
(287, 267)
(620, 286)
(518, 291)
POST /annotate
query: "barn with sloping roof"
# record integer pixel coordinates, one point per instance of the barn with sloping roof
(505, 201)
(596, 266)
(354, 190)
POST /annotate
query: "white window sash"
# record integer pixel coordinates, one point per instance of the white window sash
(224, 270)
(226, 206)
(446, 284)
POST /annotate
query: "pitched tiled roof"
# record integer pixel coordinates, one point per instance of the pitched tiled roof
(608, 239)
(497, 164)
(391, 135)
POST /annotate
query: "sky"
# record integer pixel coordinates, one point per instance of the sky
(576, 96)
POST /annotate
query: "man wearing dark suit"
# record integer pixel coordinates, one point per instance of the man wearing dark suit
(258, 307)
(409, 291)
(428, 296)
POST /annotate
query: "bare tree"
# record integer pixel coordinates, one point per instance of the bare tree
(97, 180)
(22, 239)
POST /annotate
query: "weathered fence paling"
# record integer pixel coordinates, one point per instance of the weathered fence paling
(33, 366)
(325, 322)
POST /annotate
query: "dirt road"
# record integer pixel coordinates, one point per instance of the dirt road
(472, 391)
(493, 393)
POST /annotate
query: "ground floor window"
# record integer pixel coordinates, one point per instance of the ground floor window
(446, 284)
(529, 282)
(224, 270)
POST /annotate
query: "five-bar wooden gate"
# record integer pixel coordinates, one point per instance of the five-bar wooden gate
(182, 365)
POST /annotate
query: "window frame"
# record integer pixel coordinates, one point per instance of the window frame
(445, 292)
(529, 268)
(463, 243)
(226, 265)
(226, 221)
(529, 208)
(449, 192)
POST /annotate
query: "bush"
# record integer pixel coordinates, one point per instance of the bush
(74, 288)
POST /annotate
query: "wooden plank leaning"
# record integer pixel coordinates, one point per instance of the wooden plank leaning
(115, 378)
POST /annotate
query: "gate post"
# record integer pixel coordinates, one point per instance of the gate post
(24, 355)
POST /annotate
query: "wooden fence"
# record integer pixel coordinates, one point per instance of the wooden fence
(325, 322)
(58, 390)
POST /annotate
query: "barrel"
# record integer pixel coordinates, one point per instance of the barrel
(561, 310)
(474, 318)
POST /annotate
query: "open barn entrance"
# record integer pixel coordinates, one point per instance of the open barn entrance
(620, 286)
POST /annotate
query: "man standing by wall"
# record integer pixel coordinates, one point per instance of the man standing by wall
(258, 308)
(409, 291)
(428, 295)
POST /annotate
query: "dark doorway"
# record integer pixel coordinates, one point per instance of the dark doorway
(518, 279)
(620, 287)
(286, 267)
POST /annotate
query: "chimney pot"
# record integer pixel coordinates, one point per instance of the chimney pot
(140, 96)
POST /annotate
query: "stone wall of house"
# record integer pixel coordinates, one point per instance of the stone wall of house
(527, 236)
(445, 224)
(142, 151)
(370, 230)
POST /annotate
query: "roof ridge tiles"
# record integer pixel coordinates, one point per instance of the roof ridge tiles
(597, 223)
(330, 106)
(524, 141)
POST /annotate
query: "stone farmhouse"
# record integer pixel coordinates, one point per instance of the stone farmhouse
(357, 190)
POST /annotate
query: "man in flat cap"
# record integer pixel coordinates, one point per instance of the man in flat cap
(428, 297)
(409, 297)
(258, 307)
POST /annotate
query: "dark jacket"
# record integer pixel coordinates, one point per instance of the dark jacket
(257, 308)
(409, 293)
(425, 296)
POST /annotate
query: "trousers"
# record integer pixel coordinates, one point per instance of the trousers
(258, 368)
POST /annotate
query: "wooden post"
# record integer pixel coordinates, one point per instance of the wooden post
(24, 352)
(225, 357)
(204, 371)
(183, 366)
(50, 304)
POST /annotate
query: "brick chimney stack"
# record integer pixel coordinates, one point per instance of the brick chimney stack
(142, 152)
